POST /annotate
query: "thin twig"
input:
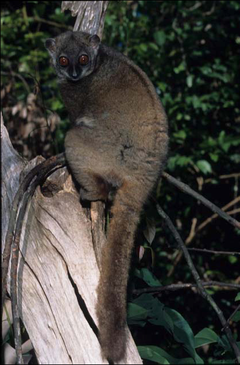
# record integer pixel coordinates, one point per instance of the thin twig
(194, 231)
(195, 6)
(211, 10)
(237, 174)
(49, 22)
(197, 278)
(186, 189)
(173, 287)
(208, 220)
(234, 211)
(235, 311)
(203, 250)
(12, 73)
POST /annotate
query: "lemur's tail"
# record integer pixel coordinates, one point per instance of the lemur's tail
(115, 260)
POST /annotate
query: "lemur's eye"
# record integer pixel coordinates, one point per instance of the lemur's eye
(83, 59)
(63, 61)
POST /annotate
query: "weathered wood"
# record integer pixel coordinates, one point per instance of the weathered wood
(90, 15)
(58, 272)
(11, 168)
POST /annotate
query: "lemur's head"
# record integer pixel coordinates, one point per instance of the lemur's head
(73, 54)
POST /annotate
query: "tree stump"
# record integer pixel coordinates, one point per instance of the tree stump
(58, 271)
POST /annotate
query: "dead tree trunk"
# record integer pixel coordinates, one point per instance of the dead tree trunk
(57, 272)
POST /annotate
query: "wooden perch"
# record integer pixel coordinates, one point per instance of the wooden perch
(57, 271)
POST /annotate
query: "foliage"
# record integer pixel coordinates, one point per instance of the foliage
(190, 50)
(177, 337)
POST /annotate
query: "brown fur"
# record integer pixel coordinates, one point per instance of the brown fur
(118, 141)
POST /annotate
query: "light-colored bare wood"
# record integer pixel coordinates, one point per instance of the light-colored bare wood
(58, 274)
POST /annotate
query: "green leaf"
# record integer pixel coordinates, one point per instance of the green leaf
(155, 353)
(237, 297)
(183, 160)
(224, 343)
(136, 314)
(205, 337)
(179, 116)
(160, 37)
(56, 105)
(172, 162)
(182, 333)
(221, 137)
(214, 157)
(152, 353)
(180, 134)
(147, 301)
(180, 67)
(143, 47)
(204, 166)
(189, 80)
(150, 231)
(156, 311)
(153, 46)
(235, 158)
(236, 317)
(196, 101)
(232, 259)
(148, 277)
(161, 318)
(162, 86)
(136, 311)
(178, 161)
(225, 142)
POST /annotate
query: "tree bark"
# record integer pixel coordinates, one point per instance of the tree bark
(58, 272)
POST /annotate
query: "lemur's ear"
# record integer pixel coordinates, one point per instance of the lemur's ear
(94, 41)
(50, 44)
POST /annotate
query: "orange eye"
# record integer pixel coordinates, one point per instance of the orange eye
(83, 59)
(63, 61)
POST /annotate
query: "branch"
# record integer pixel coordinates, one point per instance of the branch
(201, 289)
(192, 231)
(214, 252)
(12, 73)
(186, 189)
(234, 211)
(195, 230)
(235, 311)
(49, 22)
(208, 220)
(235, 175)
(207, 13)
(195, 6)
(173, 287)
(219, 212)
